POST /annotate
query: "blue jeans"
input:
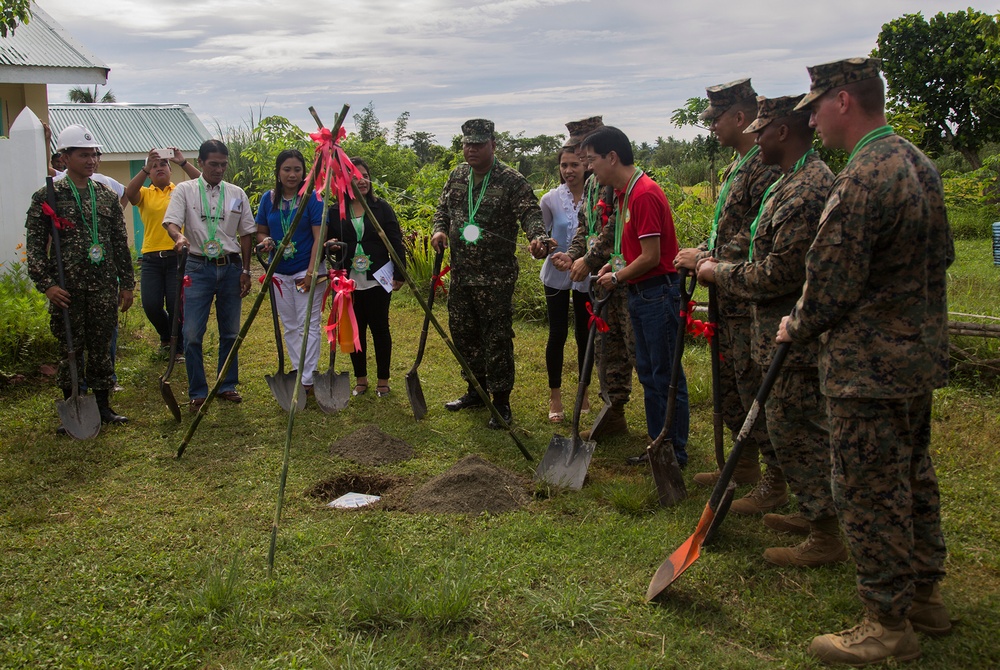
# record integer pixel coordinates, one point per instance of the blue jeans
(654, 314)
(222, 283)
(158, 288)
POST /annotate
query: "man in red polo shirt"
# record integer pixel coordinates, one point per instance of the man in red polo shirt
(643, 249)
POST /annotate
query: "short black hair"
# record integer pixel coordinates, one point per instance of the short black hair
(212, 147)
(607, 139)
(870, 94)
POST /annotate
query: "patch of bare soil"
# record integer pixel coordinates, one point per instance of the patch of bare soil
(370, 446)
(471, 486)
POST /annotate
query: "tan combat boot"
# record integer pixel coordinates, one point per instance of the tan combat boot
(769, 494)
(928, 613)
(822, 547)
(868, 642)
(747, 472)
(613, 423)
(793, 523)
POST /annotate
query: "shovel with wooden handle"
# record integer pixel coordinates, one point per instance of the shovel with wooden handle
(332, 389)
(281, 383)
(175, 328)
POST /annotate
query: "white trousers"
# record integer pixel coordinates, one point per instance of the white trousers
(292, 310)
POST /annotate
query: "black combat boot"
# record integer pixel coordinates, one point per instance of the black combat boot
(502, 402)
(108, 415)
(470, 399)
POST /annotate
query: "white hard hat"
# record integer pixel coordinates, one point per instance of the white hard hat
(76, 136)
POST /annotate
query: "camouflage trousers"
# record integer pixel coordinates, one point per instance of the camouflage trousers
(480, 319)
(615, 350)
(93, 317)
(887, 498)
(740, 379)
(800, 435)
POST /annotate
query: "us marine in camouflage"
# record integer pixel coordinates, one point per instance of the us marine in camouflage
(733, 106)
(875, 295)
(587, 253)
(96, 261)
(771, 279)
(477, 216)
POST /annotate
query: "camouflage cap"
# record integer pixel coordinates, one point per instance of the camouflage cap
(839, 73)
(724, 96)
(477, 131)
(772, 109)
(580, 129)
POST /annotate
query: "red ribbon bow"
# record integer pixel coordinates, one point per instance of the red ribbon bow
(275, 281)
(60, 222)
(602, 325)
(438, 281)
(696, 327)
(332, 167)
(605, 210)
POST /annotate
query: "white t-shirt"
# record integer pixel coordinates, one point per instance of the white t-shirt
(114, 185)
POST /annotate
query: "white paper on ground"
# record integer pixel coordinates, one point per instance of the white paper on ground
(352, 500)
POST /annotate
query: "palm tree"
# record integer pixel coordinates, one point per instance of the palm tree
(77, 94)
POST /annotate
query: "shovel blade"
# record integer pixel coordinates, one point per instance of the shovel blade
(600, 416)
(283, 389)
(80, 416)
(564, 465)
(682, 558)
(332, 390)
(667, 475)
(720, 514)
(168, 397)
(416, 395)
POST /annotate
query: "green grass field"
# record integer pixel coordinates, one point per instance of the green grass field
(116, 555)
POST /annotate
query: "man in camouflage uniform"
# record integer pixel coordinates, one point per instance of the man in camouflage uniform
(771, 279)
(97, 265)
(733, 107)
(478, 216)
(587, 253)
(875, 295)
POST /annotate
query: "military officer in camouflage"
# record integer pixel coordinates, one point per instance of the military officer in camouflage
(477, 216)
(733, 107)
(588, 252)
(875, 295)
(96, 261)
(770, 279)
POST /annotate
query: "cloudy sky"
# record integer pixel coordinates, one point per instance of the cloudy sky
(530, 65)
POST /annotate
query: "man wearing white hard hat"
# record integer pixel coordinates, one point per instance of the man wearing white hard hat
(98, 265)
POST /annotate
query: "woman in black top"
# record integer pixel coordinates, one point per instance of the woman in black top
(367, 264)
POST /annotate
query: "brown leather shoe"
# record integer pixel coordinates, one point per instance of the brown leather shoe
(231, 396)
(196, 404)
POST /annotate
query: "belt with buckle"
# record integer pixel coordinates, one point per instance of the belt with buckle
(649, 283)
(221, 260)
(169, 253)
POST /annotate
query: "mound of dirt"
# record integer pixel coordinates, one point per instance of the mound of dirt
(471, 486)
(370, 446)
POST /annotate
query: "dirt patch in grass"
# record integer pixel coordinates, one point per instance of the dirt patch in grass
(471, 486)
(388, 487)
(370, 446)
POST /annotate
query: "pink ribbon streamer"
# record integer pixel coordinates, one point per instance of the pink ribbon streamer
(332, 168)
(342, 289)
(275, 281)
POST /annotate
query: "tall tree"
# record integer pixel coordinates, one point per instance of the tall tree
(947, 71)
(688, 115)
(78, 94)
(399, 130)
(368, 125)
(12, 13)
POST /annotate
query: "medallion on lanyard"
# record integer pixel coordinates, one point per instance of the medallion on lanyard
(591, 242)
(289, 252)
(361, 262)
(471, 233)
(211, 249)
(96, 253)
(617, 262)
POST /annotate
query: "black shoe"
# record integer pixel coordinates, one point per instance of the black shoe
(640, 459)
(470, 399)
(108, 416)
(504, 411)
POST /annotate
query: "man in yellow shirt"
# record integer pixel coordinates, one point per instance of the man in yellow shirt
(158, 278)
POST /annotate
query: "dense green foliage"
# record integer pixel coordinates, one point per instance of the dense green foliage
(13, 13)
(25, 339)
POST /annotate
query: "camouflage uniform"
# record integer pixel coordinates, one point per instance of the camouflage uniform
(772, 281)
(875, 296)
(615, 350)
(740, 374)
(93, 288)
(483, 275)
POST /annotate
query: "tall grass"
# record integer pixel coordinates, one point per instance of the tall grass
(25, 339)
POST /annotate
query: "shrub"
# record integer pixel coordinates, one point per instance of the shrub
(25, 339)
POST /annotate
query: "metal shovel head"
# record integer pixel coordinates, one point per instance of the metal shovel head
(564, 465)
(667, 475)
(168, 397)
(80, 416)
(682, 558)
(283, 388)
(416, 395)
(720, 514)
(332, 390)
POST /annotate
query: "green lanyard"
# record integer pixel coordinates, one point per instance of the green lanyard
(767, 196)
(286, 213)
(362, 261)
(622, 218)
(211, 246)
(876, 134)
(96, 251)
(470, 231)
(724, 193)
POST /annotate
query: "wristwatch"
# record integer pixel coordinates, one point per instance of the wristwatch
(246, 272)
(614, 279)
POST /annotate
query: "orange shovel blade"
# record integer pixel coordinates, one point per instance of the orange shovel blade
(682, 559)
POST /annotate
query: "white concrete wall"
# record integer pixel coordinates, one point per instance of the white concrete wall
(22, 172)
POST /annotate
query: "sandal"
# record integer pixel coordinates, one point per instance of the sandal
(382, 390)
(360, 389)
(556, 417)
